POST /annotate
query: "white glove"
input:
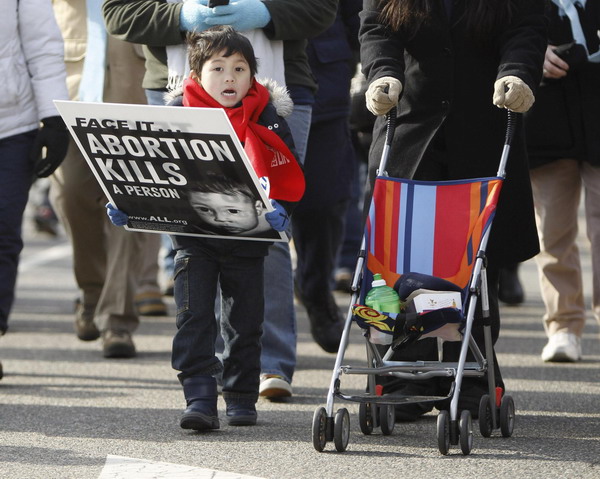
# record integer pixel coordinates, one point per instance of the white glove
(513, 93)
(383, 94)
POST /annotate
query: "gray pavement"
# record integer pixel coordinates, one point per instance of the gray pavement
(65, 412)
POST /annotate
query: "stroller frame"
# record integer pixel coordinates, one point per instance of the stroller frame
(496, 410)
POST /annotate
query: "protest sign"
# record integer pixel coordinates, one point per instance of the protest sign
(169, 168)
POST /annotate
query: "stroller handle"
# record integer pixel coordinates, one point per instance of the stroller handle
(391, 125)
(511, 125)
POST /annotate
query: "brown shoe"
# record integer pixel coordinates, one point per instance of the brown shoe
(85, 328)
(150, 304)
(117, 344)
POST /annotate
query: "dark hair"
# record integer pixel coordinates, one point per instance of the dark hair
(484, 17)
(205, 44)
(223, 185)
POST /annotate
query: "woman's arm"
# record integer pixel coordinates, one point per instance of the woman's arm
(381, 51)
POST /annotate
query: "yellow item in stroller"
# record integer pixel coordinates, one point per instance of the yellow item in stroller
(428, 240)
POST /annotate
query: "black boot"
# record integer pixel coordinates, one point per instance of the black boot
(326, 320)
(510, 290)
(201, 397)
(241, 414)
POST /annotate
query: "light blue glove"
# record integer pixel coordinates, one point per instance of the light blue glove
(241, 15)
(117, 217)
(193, 16)
(278, 219)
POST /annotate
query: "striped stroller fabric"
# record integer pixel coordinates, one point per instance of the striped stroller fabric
(433, 228)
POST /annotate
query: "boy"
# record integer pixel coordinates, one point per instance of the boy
(222, 67)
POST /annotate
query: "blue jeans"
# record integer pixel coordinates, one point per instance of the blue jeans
(16, 172)
(280, 335)
(198, 271)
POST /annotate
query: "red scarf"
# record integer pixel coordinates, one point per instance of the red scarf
(267, 152)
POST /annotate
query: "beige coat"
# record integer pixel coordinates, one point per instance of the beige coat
(125, 61)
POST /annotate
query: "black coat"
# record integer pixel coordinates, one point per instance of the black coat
(448, 84)
(565, 119)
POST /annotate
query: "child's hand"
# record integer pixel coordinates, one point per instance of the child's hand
(241, 15)
(117, 217)
(278, 219)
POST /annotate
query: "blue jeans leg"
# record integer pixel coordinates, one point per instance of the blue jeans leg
(279, 330)
(155, 97)
(299, 122)
(15, 180)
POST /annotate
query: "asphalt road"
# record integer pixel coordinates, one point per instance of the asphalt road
(65, 412)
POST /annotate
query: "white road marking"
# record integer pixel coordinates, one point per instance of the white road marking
(120, 467)
(45, 256)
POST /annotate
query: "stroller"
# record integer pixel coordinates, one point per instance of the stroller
(428, 240)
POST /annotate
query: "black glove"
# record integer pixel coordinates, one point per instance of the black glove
(53, 135)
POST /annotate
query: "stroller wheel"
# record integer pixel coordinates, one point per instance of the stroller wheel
(443, 432)
(485, 416)
(365, 417)
(319, 429)
(507, 416)
(465, 431)
(387, 418)
(341, 429)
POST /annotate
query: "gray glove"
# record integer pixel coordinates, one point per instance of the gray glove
(513, 93)
(383, 94)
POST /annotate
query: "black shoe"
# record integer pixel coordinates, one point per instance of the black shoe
(326, 324)
(510, 290)
(413, 411)
(1, 371)
(470, 397)
(326, 321)
(241, 414)
(45, 221)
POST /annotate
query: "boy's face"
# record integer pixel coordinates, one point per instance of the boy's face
(233, 213)
(226, 79)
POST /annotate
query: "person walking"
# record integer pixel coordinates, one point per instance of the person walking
(564, 150)
(318, 222)
(223, 67)
(159, 26)
(34, 75)
(453, 68)
(106, 260)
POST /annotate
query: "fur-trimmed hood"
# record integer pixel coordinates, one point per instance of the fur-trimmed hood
(278, 96)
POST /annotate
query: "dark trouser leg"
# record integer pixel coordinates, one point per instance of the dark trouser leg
(196, 277)
(318, 226)
(15, 180)
(242, 316)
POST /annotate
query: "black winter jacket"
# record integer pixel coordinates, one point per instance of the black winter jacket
(565, 119)
(448, 84)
